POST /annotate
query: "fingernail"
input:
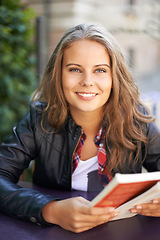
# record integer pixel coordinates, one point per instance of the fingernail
(111, 209)
(155, 201)
(138, 207)
(116, 214)
(133, 210)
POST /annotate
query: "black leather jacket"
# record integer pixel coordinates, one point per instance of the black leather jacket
(52, 151)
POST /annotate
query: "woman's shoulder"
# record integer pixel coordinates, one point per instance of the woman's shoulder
(38, 106)
(36, 113)
(142, 109)
(39, 116)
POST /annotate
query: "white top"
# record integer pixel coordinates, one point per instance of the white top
(85, 177)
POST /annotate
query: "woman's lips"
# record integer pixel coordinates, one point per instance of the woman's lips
(86, 96)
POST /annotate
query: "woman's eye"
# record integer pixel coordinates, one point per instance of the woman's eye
(100, 70)
(74, 70)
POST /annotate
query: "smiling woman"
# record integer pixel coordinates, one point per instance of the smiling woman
(86, 123)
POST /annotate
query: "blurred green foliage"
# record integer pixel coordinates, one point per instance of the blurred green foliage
(17, 63)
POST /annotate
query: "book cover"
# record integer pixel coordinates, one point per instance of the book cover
(146, 197)
(125, 187)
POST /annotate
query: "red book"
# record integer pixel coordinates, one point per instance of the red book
(127, 190)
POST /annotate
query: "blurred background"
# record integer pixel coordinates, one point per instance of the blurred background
(30, 30)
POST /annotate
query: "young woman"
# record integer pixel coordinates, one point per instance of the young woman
(85, 124)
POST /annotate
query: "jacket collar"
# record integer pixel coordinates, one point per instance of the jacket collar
(72, 126)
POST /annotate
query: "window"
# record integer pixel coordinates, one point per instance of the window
(131, 57)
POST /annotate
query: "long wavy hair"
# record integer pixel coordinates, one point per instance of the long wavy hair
(122, 117)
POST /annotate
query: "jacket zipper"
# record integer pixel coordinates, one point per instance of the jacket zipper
(72, 157)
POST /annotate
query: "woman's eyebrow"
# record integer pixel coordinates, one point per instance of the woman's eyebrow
(103, 64)
(73, 64)
(97, 65)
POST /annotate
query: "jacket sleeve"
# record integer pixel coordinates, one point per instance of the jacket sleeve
(152, 159)
(152, 152)
(15, 155)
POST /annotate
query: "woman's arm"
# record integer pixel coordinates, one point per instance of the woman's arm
(151, 163)
(22, 203)
(15, 155)
(152, 158)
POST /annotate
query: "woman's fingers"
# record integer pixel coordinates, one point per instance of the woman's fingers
(148, 209)
(76, 214)
(89, 210)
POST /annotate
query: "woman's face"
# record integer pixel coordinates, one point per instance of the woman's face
(86, 76)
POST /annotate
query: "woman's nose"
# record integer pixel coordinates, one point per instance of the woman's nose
(87, 80)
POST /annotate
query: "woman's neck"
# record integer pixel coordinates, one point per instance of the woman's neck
(90, 121)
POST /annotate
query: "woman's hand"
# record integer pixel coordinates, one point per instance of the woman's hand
(75, 214)
(148, 209)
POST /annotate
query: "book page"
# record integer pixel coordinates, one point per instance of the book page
(145, 197)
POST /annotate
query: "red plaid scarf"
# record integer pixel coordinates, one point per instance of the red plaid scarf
(103, 170)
